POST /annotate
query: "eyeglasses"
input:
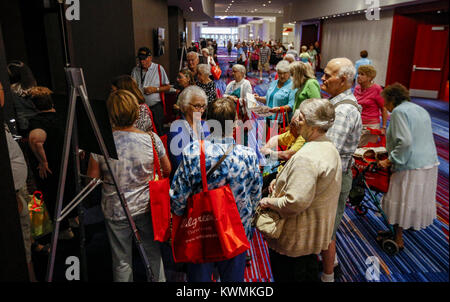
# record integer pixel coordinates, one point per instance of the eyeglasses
(198, 107)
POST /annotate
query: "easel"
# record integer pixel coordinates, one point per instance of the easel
(183, 51)
(77, 87)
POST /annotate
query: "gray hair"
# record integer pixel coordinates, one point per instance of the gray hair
(318, 113)
(188, 94)
(240, 68)
(289, 56)
(192, 53)
(283, 66)
(346, 69)
(205, 50)
(204, 69)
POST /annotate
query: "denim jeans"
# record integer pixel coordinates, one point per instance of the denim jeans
(121, 240)
(231, 270)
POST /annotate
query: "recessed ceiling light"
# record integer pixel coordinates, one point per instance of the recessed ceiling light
(264, 4)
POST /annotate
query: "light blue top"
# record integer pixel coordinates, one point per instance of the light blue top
(281, 97)
(409, 138)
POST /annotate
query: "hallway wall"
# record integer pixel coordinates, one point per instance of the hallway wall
(347, 36)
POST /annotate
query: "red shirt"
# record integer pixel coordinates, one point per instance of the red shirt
(372, 103)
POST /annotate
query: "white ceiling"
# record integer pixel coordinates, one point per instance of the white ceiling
(250, 7)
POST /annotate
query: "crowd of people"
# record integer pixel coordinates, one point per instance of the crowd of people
(309, 189)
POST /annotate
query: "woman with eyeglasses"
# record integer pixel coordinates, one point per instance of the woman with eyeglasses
(192, 103)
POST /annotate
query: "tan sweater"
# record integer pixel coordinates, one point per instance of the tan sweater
(306, 195)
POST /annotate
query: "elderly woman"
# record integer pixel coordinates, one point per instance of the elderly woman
(369, 97)
(280, 93)
(304, 55)
(145, 119)
(185, 78)
(205, 82)
(305, 82)
(238, 89)
(133, 170)
(192, 103)
(239, 170)
(208, 58)
(305, 195)
(411, 199)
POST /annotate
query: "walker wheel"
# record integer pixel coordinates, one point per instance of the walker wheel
(361, 210)
(390, 247)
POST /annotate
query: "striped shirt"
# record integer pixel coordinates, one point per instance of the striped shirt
(347, 128)
(264, 55)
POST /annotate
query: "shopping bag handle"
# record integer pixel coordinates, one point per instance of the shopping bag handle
(203, 164)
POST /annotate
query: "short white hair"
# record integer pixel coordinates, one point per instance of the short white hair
(188, 94)
(282, 66)
(204, 69)
(192, 53)
(318, 113)
(289, 56)
(205, 50)
(346, 69)
(240, 68)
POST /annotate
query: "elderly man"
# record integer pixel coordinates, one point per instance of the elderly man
(345, 133)
(192, 61)
(153, 82)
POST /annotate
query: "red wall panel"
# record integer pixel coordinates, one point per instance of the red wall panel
(401, 54)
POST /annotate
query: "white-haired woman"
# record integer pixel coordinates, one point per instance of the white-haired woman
(238, 89)
(204, 82)
(305, 82)
(305, 195)
(280, 93)
(208, 57)
(192, 103)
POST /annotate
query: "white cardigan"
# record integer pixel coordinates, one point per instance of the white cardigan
(245, 86)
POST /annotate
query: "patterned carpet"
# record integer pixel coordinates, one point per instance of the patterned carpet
(426, 254)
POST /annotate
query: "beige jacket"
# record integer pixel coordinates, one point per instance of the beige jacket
(306, 195)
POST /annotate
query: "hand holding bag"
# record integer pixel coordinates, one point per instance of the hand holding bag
(159, 199)
(268, 222)
(211, 229)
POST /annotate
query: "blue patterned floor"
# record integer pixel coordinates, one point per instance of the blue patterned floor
(426, 254)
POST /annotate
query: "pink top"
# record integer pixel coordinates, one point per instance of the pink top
(372, 103)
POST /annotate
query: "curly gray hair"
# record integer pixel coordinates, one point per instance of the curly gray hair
(188, 94)
(318, 113)
(282, 66)
(204, 69)
(240, 68)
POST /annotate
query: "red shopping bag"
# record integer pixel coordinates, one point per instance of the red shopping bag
(216, 72)
(162, 137)
(211, 230)
(159, 200)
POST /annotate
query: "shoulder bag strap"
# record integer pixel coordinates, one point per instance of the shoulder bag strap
(217, 165)
(347, 102)
(151, 117)
(156, 161)
(161, 94)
